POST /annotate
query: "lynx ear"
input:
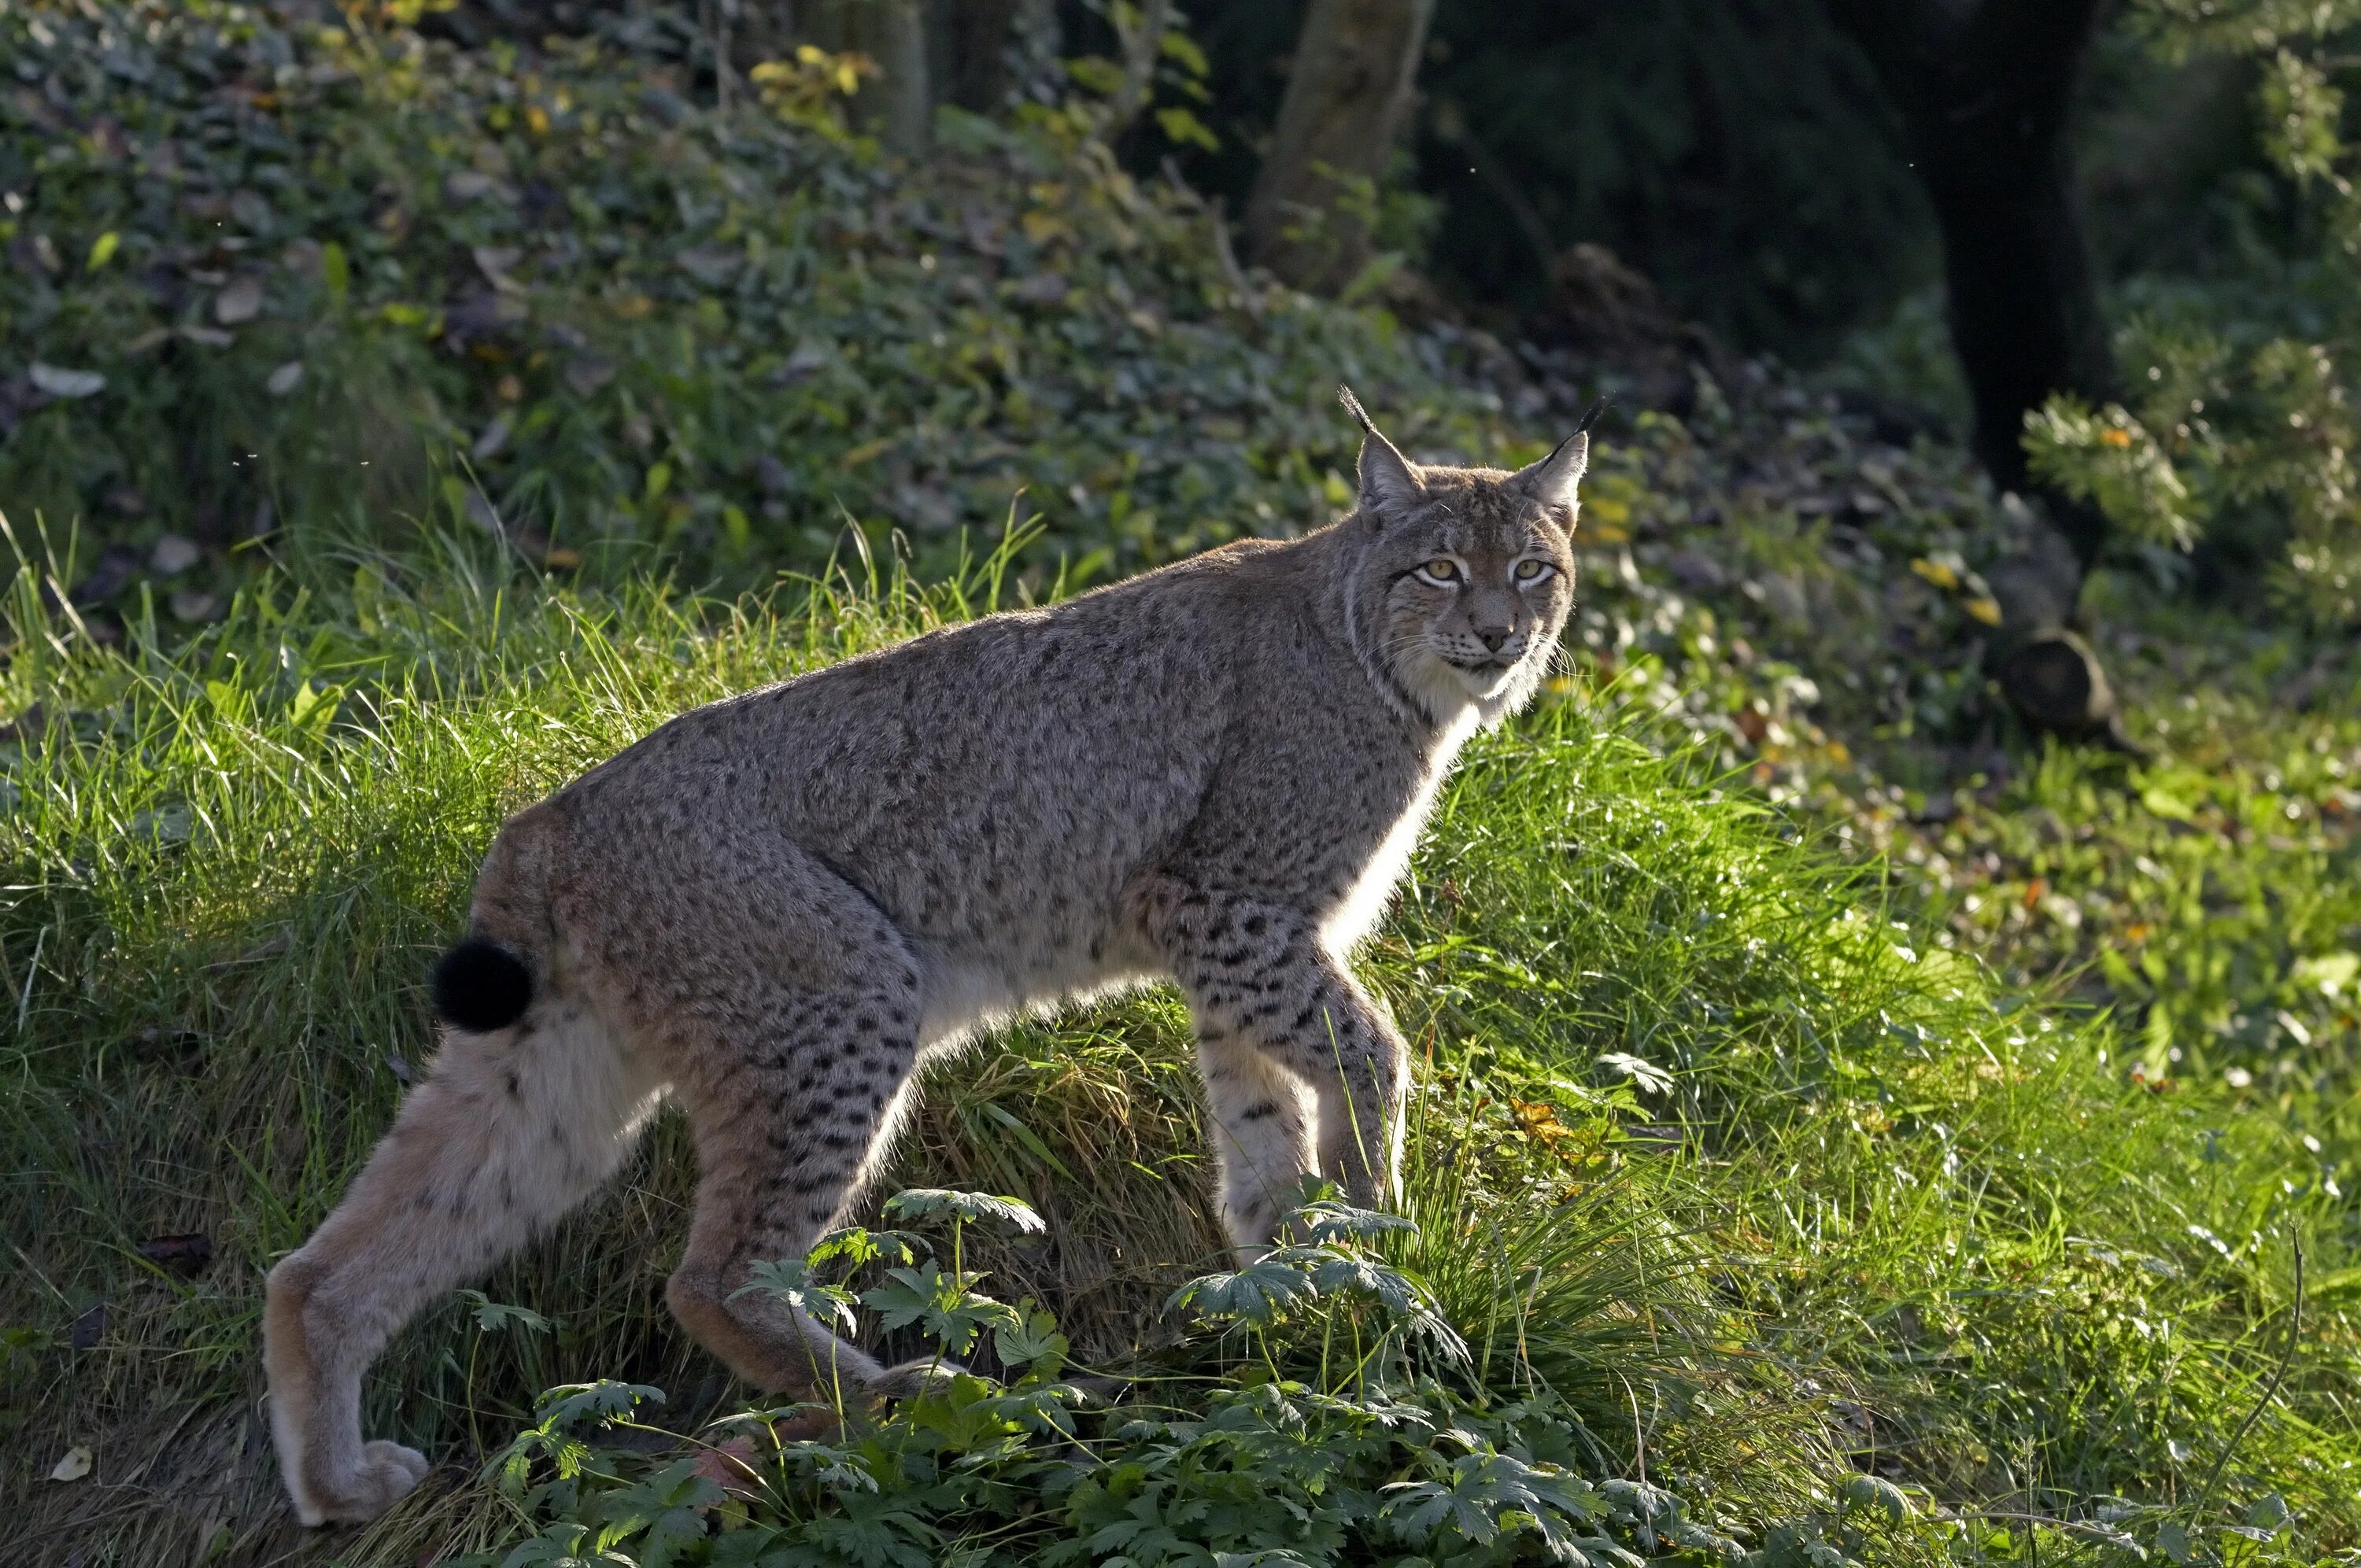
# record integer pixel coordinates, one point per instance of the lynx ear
(1554, 479)
(1390, 482)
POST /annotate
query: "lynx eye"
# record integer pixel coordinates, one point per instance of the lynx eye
(1440, 570)
(1533, 571)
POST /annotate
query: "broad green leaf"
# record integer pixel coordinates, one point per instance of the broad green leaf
(1876, 1492)
(927, 1202)
(1255, 1294)
(1650, 1077)
(493, 1316)
(1030, 1336)
(790, 1280)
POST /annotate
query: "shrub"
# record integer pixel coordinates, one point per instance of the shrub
(1361, 1458)
(274, 271)
(2241, 421)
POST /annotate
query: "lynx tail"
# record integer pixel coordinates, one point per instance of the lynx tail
(480, 986)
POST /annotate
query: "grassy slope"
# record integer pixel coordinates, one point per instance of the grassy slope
(1942, 1238)
(2212, 894)
(204, 887)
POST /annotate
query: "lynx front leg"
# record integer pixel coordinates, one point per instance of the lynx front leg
(1257, 974)
(1261, 1134)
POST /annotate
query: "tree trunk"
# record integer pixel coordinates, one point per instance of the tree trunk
(975, 38)
(1347, 94)
(898, 105)
(1984, 88)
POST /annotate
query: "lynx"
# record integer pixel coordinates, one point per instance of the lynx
(774, 908)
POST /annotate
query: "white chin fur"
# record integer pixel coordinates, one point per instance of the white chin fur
(1489, 686)
(1449, 692)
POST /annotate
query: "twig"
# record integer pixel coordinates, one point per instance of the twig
(718, 14)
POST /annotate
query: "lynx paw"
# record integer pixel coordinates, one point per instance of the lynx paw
(385, 1475)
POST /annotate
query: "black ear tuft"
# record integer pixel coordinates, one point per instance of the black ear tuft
(1388, 479)
(480, 986)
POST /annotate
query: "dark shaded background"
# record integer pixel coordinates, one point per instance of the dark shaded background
(1739, 154)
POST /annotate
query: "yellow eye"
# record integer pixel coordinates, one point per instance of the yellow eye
(1531, 571)
(1442, 570)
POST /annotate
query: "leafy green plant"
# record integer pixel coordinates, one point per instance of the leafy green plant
(1367, 1462)
(2242, 420)
(343, 272)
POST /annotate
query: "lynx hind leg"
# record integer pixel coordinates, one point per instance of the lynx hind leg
(507, 1132)
(787, 1133)
(792, 1014)
(1261, 1137)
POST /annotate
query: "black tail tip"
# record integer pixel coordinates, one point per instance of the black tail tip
(480, 986)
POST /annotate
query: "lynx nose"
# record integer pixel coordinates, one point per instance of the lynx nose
(1492, 637)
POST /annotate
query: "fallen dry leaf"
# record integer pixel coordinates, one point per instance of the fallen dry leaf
(59, 382)
(731, 1466)
(173, 554)
(186, 1255)
(240, 302)
(88, 1328)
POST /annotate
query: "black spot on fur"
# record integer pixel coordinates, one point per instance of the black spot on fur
(480, 987)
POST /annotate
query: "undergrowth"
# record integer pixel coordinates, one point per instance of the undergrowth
(2210, 893)
(278, 273)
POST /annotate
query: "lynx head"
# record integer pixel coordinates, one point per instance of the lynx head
(1464, 576)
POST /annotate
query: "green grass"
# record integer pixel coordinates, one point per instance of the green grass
(2209, 897)
(1762, 1187)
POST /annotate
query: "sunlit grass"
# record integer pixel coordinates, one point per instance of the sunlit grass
(1766, 1185)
